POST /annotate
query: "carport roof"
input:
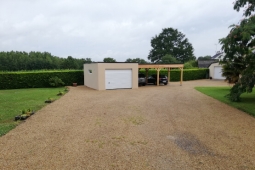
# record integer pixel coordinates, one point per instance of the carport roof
(160, 65)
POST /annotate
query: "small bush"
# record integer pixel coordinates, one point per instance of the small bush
(56, 82)
(191, 64)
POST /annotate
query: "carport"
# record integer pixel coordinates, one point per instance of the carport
(159, 67)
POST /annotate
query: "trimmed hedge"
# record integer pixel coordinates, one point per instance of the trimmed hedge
(38, 79)
(188, 74)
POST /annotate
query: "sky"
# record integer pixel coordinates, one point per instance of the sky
(110, 28)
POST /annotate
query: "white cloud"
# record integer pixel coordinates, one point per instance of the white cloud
(118, 29)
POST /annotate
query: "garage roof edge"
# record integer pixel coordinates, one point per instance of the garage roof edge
(113, 62)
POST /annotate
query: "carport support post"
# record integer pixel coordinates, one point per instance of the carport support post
(146, 75)
(158, 69)
(181, 76)
(169, 74)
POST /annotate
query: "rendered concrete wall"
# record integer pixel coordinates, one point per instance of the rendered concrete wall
(96, 79)
(91, 75)
(211, 69)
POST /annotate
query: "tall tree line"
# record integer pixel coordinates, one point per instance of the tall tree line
(17, 60)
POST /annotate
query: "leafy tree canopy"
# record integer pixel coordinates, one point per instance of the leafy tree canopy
(207, 57)
(171, 41)
(249, 6)
(232, 69)
(18, 60)
(136, 60)
(239, 58)
(191, 64)
(168, 59)
(109, 60)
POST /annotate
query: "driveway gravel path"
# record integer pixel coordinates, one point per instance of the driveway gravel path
(165, 127)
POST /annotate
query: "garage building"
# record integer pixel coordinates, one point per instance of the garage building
(108, 76)
(216, 71)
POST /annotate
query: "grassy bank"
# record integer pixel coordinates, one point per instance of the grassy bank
(13, 101)
(247, 103)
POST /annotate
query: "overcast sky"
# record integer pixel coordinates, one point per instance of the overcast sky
(110, 28)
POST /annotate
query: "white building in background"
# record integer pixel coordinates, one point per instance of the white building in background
(215, 69)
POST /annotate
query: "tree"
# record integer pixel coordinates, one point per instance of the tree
(16, 60)
(191, 64)
(168, 59)
(83, 61)
(136, 60)
(239, 49)
(207, 57)
(86, 60)
(248, 4)
(70, 63)
(109, 60)
(232, 69)
(171, 41)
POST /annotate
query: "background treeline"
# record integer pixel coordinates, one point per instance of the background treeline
(16, 60)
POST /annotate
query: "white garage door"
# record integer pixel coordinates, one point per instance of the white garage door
(118, 79)
(218, 72)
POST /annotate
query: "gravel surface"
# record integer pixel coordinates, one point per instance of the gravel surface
(165, 127)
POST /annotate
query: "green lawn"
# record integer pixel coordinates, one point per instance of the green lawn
(247, 103)
(13, 101)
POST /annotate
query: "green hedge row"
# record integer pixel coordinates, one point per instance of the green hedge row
(37, 79)
(188, 74)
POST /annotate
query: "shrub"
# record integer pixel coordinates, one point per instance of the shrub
(191, 64)
(56, 82)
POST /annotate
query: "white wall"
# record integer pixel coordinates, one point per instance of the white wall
(96, 79)
(212, 73)
(91, 79)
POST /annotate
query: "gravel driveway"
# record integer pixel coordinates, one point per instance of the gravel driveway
(165, 127)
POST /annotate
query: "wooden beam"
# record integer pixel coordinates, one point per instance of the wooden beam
(160, 66)
(158, 69)
(181, 76)
(146, 75)
(169, 69)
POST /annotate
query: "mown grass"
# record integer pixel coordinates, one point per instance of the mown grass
(247, 103)
(12, 102)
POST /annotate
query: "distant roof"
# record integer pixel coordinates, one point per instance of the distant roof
(206, 63)
(217, 55)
